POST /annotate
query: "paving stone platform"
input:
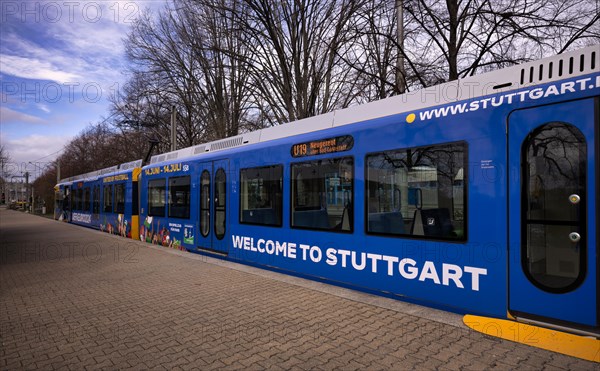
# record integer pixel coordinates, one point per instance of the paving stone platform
(75, 298)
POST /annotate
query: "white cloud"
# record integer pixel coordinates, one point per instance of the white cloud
(71, 41)
(76, 53)
(73, 49)
(31, 68)
(84, 44)
(33, 149)
(9, 116)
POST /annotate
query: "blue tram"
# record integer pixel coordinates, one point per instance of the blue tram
(475, 196)
(106, 199)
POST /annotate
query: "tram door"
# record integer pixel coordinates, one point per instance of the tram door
(67, 202)
(553, 191)
(214, 200)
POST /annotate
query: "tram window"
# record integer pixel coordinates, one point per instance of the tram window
(322, 193)
(86, 199)
(80, 199)
(418, 192)
(179, 197)
(156, 197)
(96, 201)
(75, 200)
(67, 200)
(261, 198)
(78, 205)
(108, 206)
(120, 198)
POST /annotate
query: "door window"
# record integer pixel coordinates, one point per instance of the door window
(86, 199)
(120, 198)
(553, 207)
(205, 203)
(220, 203)
(96, 202)
(108, 203)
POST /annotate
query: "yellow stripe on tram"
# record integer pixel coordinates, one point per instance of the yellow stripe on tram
(587, 348)
(135, 227)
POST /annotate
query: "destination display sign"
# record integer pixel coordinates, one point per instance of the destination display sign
(116, 178)
(323, 146)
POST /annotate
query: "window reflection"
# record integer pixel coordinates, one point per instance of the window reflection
(554, 158)
(220, 203)
(418, 192)
(205, 203)
(322, 194)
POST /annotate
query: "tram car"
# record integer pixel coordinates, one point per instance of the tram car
(475, 196)
(106, 199)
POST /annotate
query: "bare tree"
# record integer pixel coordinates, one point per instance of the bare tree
(99, 146)
(237, 65)
(445, 40)
(210, 28)
(296, 71)
(456, 38)
(43, 187)
(96, 147)
(4, 160)
(187, 57)
(166, 73)
(141, 107)
(373, 51)
(5, 170)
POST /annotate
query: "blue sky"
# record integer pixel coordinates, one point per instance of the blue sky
(59, 62)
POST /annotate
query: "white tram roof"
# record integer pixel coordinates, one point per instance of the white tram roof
(98, 173)
(571, 64)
